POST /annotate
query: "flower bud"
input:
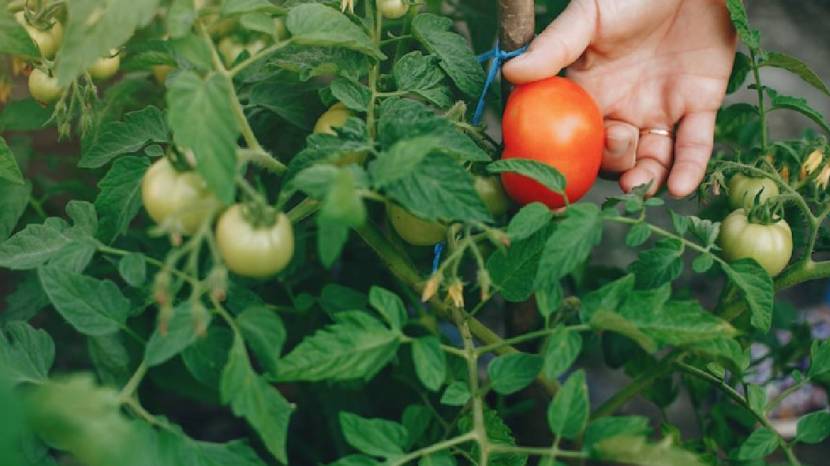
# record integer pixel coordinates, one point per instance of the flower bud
(812, 162)
(217, 283)
(201, 318)
(823, 178)
(484, 283)
(431, 287)
(456, 293)
(165, 314)
(161, 288)
(785, 173)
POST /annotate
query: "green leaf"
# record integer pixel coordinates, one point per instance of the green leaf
(352, 94)
(251, 397)
(607, 298)
(438, 459)
(354, 348)
(513, 372)
(497, 432)
(757, 398)
(725, 351)
(295, 102)
(342, 208)
(133, 269)
(737, 12)
(93, 28)
(422, 75)
(561, 350)
(389, 305)
(119, 197)
(26, 301)
(659, 265)
(571, 242)
(207, 356)
(457, 59)
(819, 358)
(813, 427)
(378, 437)
(528, 220)
(635, 450)
(181, 333)
(264, 333)
(355, 460)
(797, 104)
(309, 62)
(319, 25)
(430, 362)
(542, 173)
(439, 188)
(740, 69)
(456, 394)
(70, 414)
(202, 120)
(9, 170)
(26, 353)
(14, 198)
(180, 18)
(703, 262)
(797, 67)
(758, 445)
(237, 7)
(608, 320)
(24, 115)
(607, 427)
(638, 234)
(756, 286)
(115, 138)
(513, 270)
(111, 358)
(92, 306)
(14, 40)
(568, 412)
(32, 247)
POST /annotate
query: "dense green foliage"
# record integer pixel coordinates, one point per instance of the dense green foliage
(125, 341)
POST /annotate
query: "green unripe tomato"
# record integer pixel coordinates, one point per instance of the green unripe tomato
(490, 191)
(334, 117)
(160, 72)
(743, 190)
(413, 230)
(105, 67)
(770, 245)
(393, 9)
(47, 41)
(179, 200)
(254, 251)
(44, 88)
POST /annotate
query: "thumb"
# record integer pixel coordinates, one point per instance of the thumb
(559, 45)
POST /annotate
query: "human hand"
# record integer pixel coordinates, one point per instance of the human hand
(649, 65)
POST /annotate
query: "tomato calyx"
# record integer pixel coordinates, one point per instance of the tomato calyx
(259, 215)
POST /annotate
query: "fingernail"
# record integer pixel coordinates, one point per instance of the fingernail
(617, 141)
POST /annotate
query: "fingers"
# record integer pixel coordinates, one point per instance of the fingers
(695, 138)
(620, 146)
(653, 159)
(559, 45)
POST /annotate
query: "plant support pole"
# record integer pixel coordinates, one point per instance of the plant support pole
(516, 23)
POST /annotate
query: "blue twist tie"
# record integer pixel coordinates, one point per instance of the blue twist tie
(436, 256)
(497, 57)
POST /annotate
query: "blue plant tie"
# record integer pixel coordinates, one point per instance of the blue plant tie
(436, 256)
(497, 57)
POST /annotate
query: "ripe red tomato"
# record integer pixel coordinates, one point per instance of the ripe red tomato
(553, 121)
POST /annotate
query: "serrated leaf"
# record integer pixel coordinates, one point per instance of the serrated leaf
(456, 394)
(638, 234)
(457, 59)
(91, 306)
(759, 444)
(207, 356)
(512, 372)
(528, 220)
(797, 67)
(355, 348)
(138, 129)
(542, 173)
(569, 410)
(571, 242)
(202, 120)
(607, 427)
(389, 305)
(737, 12)
(561, 350)
(26, 353)
(430, 361)
(32, 247)
(659, 265)
(133, 269)
(181, 333)
(9, 171)
(318, 25)
(14, 198)
(813, 427)
(264, 333)
(93, 28)
(757, 289)
(14, 40)
(352, 94)
(800, 105)
(819, 358)
(251, 397)
(378, 437)
(513, 270)
(119, 196)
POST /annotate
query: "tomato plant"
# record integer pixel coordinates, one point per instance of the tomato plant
(745, 191)
(251, 249)
(206, 249)
(555, 122)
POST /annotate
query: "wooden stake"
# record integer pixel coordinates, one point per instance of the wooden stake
(516, 23)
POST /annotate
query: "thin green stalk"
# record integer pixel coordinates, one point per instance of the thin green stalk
(538, 451)
(762, 111)
(435, 448)
(479, 428)
(528, 336)
(258, 56)
(132, 384)
(633, 389)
